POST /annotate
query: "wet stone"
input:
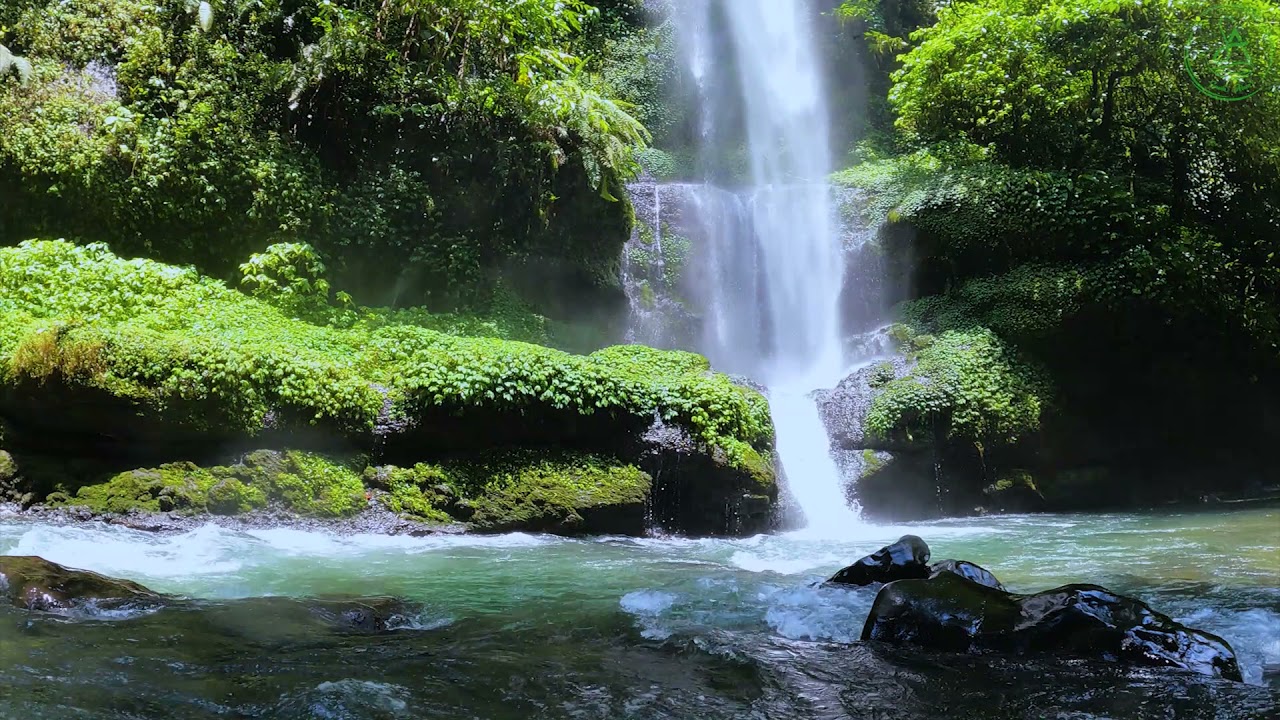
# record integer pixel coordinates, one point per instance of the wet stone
(966, 569)
(949, 612)
(34, 583)
(908, 558)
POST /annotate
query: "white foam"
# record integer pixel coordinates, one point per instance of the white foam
(817, 613)
(1254, 634)
(648, 606)
(208, 550)
(647, 602)
(367, 694)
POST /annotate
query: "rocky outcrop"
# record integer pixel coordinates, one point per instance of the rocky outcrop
(889, 481)
(706, 493)
(33, 583)
(905, 559)
(949, 612)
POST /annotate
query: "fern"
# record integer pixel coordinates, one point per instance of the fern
(574, 107)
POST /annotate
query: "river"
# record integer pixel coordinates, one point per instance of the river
(522, 626)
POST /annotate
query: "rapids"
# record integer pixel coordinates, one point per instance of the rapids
(524, 626)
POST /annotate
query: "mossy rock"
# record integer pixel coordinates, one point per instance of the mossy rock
(1014, 490)
(520, 490)
(303, 483)
(165, 354)
(965, 386)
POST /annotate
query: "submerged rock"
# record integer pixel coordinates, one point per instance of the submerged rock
(34, 583)
(908, 558)
(966, 569)
(363, 615)
(952, 613)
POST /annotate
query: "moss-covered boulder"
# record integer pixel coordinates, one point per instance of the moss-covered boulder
(108, 365)
(948, 426)
(521, 490)
(8, 468)
(303, 483)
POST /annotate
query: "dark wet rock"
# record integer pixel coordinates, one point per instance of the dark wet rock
(907, 558)
(34, 583)
(363, 615)
(703, 493)
(1014, 491)
(951, 613)
(966, 569)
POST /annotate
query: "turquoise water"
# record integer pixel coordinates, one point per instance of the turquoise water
(522, 626)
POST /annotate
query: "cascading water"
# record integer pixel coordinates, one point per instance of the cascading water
(788, 257)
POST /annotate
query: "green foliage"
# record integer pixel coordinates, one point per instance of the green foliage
(289, 275)
(966, 385)
(665, 166)
(640, 66)
(206, 356)
(317, 486)
(1048, 82)
(435, 140)
(422, 492)
(1000, 215)
(882, 374)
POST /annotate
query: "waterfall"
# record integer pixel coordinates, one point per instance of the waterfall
(774, 264)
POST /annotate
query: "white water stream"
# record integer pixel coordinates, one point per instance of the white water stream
(787, 256)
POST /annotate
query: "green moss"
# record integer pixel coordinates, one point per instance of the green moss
(675, 253)
(524, 490)
(180, 487)
(318, 486)
(511, 489)
(759, 467)
(8, 468)
(969, 386)
(422, 492)
(303, 483)
(872, 461)
(882, 374)
(1009, 479)
(647, 298)
(201, 355)
(230, 496)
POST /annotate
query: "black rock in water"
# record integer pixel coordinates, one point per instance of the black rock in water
(34, 583)
(966, 569)
(908, 558)
(951, 613)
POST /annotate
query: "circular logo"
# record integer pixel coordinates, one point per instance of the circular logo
(1221, 56)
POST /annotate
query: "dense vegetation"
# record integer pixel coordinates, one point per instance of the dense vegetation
(138, 343)
(425, 148)
(203, 354)
(1069, 193)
